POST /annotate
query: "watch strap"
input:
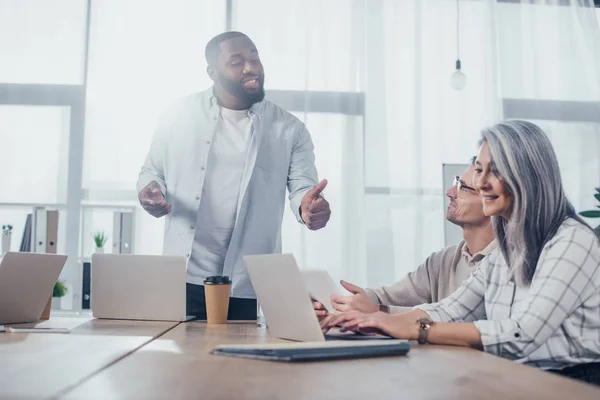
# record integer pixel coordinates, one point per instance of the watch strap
(384, 308)
(424, 325)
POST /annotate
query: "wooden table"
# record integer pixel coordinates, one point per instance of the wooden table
(42, 365)
(178, 365)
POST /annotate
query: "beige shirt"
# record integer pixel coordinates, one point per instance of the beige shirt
(438, 277)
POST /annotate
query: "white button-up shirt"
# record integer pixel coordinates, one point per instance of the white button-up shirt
(280, 154)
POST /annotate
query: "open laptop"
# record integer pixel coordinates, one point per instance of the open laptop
(285, 300)
(26, 283)
(139, 287)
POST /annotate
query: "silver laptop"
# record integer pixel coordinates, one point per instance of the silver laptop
(285, 300)
(26, 283)
(138, 287)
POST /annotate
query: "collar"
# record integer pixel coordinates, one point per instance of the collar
(480, 255)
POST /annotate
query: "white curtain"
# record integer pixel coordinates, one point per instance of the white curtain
(539, 57)
(370, 78)
(417, 122)
(551, 57)
(316, 46)
(142, 56)
(395, 58)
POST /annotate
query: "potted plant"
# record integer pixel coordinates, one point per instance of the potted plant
(6, 235)
(593, 213)
(100, 239)
(59, 291)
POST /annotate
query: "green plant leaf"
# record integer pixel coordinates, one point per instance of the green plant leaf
(597, 196)
(59, 289)
(590, 214)
(100, 239)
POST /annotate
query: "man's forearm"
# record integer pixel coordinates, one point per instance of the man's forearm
(402, 294)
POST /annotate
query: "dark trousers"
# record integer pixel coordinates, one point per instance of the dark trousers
(589, 373)
(239, 309)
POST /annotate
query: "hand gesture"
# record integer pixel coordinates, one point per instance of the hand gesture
(358, 301)
(314, 208)
(153, 201)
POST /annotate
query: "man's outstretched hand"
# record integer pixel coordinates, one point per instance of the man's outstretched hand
(153, 201)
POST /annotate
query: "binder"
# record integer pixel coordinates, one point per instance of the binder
(39, 232)
(122, 232)
(44, 240)
(45, 230)
(86, 294)
(26, 239)
(51, 231)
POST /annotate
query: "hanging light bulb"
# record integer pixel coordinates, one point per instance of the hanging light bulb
(459, 79)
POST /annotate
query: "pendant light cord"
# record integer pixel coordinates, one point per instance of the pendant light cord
(457, 33)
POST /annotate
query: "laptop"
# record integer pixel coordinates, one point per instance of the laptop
(286, 302)
(26, 283)
(139, 287)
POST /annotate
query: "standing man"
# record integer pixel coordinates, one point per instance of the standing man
(442, 272)
(218, 168)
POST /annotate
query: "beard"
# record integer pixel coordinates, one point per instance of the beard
(237, 90)
(452, 217)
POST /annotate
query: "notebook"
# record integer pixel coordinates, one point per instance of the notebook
(315, 351)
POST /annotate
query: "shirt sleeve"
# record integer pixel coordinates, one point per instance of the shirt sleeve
(414, 289)
(399, 309)
(567, 273)
(302, 174)
(153, 167)
(466, 304)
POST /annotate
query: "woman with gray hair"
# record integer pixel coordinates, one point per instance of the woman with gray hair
(536, 299)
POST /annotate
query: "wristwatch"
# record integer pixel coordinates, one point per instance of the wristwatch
(384, 308)
(424, 325)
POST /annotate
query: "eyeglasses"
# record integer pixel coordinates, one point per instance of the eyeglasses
(461, 187)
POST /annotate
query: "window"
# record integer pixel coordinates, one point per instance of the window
(143, 55)
(42, 41)
(309, 45)
(34, 142)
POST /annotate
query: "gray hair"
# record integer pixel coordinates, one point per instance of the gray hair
(528, 167)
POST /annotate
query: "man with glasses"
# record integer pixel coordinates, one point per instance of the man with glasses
(442, 272)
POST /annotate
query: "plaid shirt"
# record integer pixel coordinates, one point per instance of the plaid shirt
(552, 324)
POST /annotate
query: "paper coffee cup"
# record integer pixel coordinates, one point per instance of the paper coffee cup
(216, 292)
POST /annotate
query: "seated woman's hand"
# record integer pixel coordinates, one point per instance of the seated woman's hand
(393, 325)
(320, 310)
(324, 322)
